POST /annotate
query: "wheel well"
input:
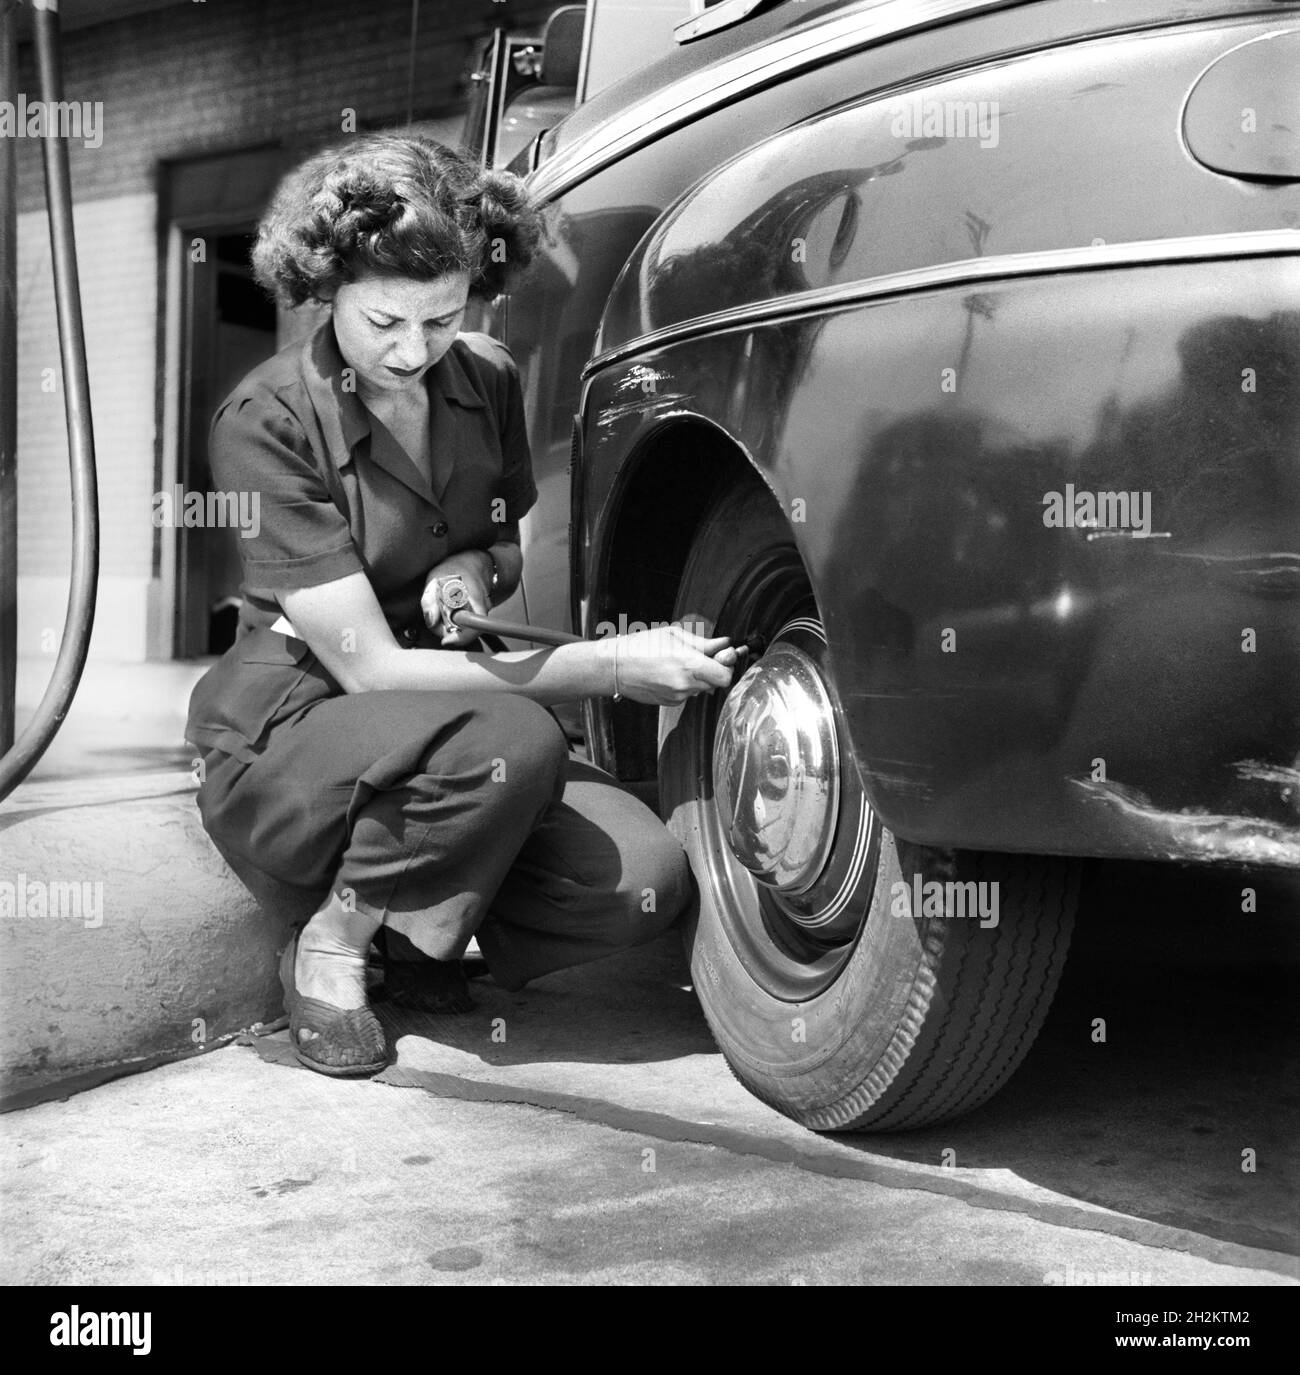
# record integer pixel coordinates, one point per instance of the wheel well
(676, 476)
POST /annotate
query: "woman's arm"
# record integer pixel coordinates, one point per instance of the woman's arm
(343, 624)
(509, 560)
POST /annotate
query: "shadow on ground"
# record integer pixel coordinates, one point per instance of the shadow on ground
(1198, 1066)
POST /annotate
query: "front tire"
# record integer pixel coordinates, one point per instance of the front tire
(835, 995)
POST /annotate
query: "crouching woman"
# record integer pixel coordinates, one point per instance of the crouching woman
(355, 749)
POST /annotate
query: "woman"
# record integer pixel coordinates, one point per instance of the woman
(352, 748)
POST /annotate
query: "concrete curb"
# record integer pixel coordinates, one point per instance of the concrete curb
(123, 933)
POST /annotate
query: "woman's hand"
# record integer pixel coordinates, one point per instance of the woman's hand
(668, 664)
(473, 566)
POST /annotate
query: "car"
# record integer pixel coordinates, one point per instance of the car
(947, 356)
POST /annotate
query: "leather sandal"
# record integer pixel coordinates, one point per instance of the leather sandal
(349, 1042)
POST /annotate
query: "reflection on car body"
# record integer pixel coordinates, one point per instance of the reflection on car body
(843, 311)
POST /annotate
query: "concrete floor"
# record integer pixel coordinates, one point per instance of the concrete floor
(605, 1141)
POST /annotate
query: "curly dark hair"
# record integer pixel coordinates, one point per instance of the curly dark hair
(392, 203)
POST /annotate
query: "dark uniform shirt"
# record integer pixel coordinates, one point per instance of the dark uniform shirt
(336, 494)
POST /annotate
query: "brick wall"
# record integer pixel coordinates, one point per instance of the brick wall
(229, 74)
(208, 77)
(115, 245)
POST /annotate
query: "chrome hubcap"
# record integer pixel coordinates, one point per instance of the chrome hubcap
(776, 770)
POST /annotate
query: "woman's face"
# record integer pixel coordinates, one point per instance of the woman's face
(392, 330)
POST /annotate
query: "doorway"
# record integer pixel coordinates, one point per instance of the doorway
(218, 326)
(228, 328)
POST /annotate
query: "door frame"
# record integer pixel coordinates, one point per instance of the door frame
(217, 193)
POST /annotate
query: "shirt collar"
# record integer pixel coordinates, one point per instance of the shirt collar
(452, 377)
(343, 417)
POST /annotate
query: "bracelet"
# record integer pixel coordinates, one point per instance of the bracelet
(618, 691)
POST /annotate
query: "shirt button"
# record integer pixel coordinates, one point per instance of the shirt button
(440, 529)
(410, 635)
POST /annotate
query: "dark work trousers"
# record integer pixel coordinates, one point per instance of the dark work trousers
(446, 816)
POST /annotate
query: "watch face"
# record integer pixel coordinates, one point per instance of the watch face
(454, 594)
